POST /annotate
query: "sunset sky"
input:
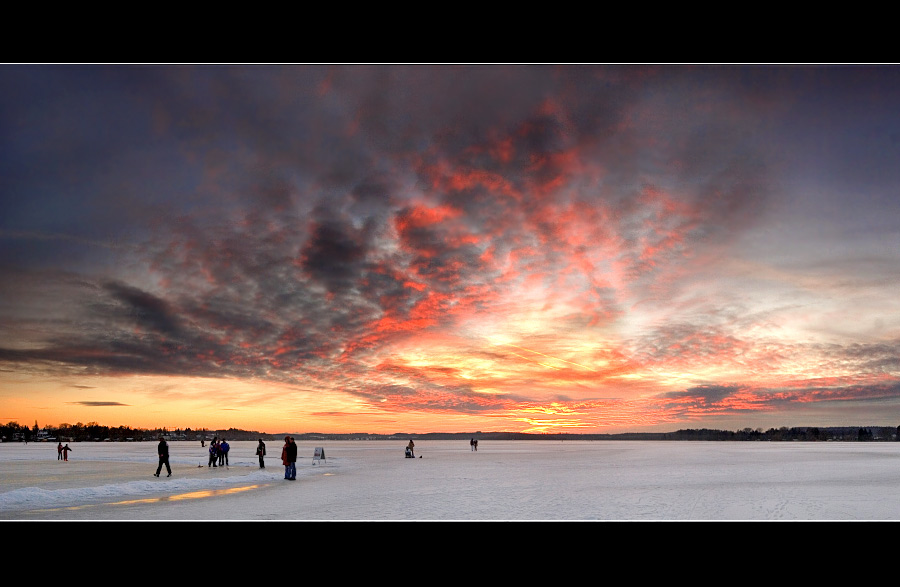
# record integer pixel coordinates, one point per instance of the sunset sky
(418, 248)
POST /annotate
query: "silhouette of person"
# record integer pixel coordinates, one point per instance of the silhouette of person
(213, 455)
(261, 453)
(289, 458)
(163, 450)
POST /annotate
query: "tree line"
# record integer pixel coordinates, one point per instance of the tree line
(94, 432)
(804, 433)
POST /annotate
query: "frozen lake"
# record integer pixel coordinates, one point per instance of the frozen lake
(503, 480)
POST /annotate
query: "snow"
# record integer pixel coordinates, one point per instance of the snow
(508, 480)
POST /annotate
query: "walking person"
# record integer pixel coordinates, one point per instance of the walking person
(261, 453)
(163, 450)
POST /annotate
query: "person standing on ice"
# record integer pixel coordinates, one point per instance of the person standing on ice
(163, 450)
(411, 446)
(289, 458)
(212, 453)
(261, 453)
(292, 459)
(65, 452)
(223, 458)
(59, 452)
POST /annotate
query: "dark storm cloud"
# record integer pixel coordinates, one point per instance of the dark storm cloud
(333, 256)
(704, 394)
(145, 309)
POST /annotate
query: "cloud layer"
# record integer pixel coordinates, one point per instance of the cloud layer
(568, 247)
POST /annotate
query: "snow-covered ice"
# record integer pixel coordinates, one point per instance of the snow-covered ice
(508, 480)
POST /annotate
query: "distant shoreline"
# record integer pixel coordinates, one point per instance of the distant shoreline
(808, 433)
(805, 433)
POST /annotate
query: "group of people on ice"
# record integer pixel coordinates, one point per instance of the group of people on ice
(62, 452)
(218, 453)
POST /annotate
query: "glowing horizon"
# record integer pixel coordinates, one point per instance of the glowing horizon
(384, 248)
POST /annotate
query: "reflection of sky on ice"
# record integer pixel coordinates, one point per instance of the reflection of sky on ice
(512, 480)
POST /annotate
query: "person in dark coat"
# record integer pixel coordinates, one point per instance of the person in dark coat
(290, 459)
(213, 454)
(163, 450)
(261, 453)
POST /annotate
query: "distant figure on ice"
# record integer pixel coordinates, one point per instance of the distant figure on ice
(59, 452)
(163, 450)
(410, 449)
(289, 458)
(475, 446)
(223, 454)
(472, 444)
(261, 453)
(65, 452)
(213, 456)
(202, 444)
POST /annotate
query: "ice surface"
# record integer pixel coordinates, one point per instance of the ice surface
(509, 480)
